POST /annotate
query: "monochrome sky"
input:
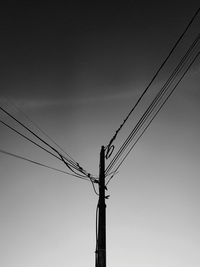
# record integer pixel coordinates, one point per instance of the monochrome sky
(76, 70)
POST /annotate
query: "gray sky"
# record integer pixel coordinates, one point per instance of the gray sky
(77, 70)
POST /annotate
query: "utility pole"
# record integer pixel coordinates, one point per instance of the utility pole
(101, 232)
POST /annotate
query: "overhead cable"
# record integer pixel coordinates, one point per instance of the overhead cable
(39, 128)
(155, 101)
(75, 165)
(110, 147)
(27, 138)
(143, 131)
(92, 179)
(40, 164)
(24, 126)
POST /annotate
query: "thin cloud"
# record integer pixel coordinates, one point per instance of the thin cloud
(131, 91)
(38, 104)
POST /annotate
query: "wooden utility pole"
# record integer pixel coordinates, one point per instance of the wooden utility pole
(101, 233)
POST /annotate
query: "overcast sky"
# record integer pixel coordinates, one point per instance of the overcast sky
(77, 70)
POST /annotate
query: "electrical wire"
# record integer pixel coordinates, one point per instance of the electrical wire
(75, 165)
(185, 72)
(91, 179)
(154, 103)
(27, 138)
(10, 127)
(86, 175)
(16, 131)
(38, 127)
(40, 164)
(93, 187)
(112, 176)
(110, 147)
(24, 126)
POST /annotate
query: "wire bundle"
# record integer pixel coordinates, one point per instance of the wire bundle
(155, 106)
(75, 169)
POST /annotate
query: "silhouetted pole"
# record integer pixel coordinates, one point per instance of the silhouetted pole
(101, 238)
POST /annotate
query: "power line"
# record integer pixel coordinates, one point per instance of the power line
(38, 127)
(155, 102)
(133, 145)
(92, 179)
(27, 138)
(24, 126)
(40, 164)
(110, 147)
(70, 167)
(75, 165)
